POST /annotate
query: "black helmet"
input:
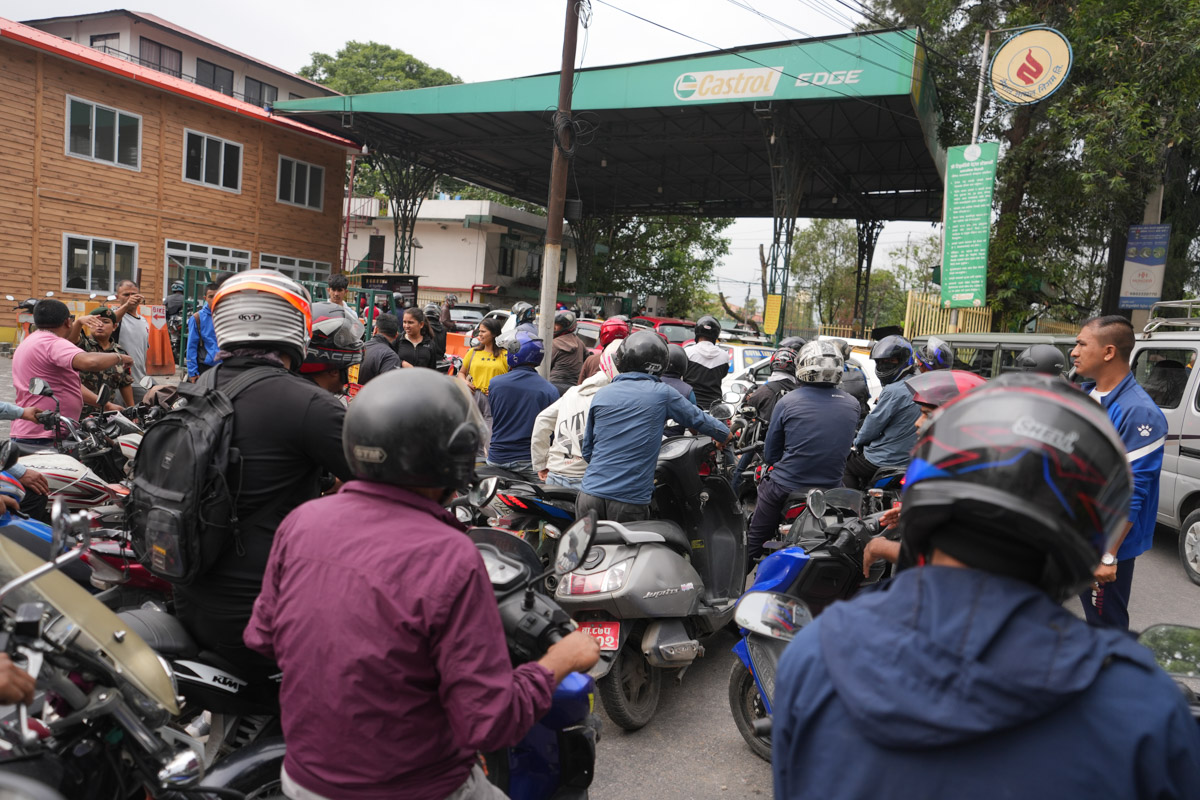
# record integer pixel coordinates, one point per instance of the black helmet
(707, 328)
(413, 427)
(844, 347)
(1044, 358)
(1024, 477)
(891, 355)
(677, 361)
(523, 312)
(784, 360)
(643, 351)
(337, 339)
(564, 322)
(934, 354)
(793, 343)
(432, 312)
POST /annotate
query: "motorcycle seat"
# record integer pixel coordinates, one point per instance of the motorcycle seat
(673, 535)
(163, 632)
(564, 493)
(25, 449)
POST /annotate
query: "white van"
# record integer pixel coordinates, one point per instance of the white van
(1163, 360)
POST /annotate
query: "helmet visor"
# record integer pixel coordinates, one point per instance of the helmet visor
(341, 332)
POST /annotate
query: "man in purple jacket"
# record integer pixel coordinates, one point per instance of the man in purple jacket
(381, 615)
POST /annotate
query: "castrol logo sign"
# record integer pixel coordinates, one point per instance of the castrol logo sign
(727, 84)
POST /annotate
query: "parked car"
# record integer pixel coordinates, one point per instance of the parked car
(745, 379)
(465, 319)
(589, 331)
(676, 331)
(992, 354)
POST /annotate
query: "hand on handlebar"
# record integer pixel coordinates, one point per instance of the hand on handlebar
(575, 652)
(879, 548)
(31, 414)
(16, 685)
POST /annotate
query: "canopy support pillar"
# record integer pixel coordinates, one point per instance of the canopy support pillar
(788, 171)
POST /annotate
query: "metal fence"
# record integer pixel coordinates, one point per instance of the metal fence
(924, 315)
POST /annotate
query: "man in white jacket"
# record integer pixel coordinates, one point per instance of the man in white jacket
(560, 462)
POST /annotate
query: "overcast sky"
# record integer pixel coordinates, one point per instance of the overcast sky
(480, 40)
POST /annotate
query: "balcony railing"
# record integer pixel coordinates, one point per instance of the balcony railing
(130, 57)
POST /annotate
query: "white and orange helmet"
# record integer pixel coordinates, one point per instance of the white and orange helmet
(263, 308)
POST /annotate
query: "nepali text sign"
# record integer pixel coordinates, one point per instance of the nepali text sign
(1145, 263)
(970, 178)
(771, 313)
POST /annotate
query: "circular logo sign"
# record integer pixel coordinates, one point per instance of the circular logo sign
(685, 86)
(1031, 66)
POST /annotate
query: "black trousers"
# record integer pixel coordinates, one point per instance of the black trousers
(613, 510)
(859, 471)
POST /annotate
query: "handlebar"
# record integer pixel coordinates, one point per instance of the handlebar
(743, 450)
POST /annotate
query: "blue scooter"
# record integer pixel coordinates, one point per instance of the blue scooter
(819, 561)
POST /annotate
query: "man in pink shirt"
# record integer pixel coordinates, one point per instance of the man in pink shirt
(47, 353)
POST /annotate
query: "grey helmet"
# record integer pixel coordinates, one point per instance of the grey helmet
(819, 363)
(263, 308)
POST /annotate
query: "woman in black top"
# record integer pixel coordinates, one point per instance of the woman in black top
(415, 347)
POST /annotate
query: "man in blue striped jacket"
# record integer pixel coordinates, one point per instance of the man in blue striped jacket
(1101, 354)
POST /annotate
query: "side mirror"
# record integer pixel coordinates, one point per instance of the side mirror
(574, 543)
(58, 528)
(731, 397)
(9, 453)
(9, 297)
(103, 396)
(721, 411)
(473, 341)
(38, 386)
(816, 503)
(147, 382)
(1176, 648)
(771, 614)
(482, 493)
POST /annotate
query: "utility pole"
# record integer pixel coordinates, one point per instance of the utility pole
(559, 165)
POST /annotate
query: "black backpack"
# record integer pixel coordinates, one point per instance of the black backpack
(183, 504)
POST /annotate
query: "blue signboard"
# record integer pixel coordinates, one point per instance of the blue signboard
(1145, 263)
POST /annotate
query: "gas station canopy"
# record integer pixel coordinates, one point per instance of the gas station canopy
(695, 135)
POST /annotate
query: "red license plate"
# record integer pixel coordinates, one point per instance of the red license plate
(608, 634)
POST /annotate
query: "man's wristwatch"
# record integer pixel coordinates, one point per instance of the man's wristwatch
(1108, 559)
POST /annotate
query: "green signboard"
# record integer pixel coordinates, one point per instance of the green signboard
(970, 178)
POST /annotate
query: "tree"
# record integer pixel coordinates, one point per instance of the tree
(1076, 168)
(364, 67)
(672, 257)
(824, 257)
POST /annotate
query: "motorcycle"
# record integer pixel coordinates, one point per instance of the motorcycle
(649, 591)
(821, 561)
(100, 725)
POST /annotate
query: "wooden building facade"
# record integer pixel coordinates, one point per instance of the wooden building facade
(111, 170)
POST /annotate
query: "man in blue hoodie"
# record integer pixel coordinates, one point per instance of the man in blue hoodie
(964, 677)
(517, 397)
(202, 337)
(624, 431)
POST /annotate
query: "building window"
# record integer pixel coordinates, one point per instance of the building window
(214, 77)
(96, 265)
(106, 41)
(298, 269)
(212, 161)
(294, 96)
(215, 261)
(259, 93)
(100, 133)
(506, 261)
(301, 184)
(160, 57)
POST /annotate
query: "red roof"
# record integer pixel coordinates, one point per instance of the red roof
(72, 51)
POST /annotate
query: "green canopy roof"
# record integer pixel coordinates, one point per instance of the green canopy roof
(686, 134)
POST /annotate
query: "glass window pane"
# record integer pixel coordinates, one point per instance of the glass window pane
(194, 157)
(224, 80)
(1163, 374)
(172, 61)
(149, 52)
(127, 141)
(204, 73)
(77, 263)
(212, 161)
(253, 91)
(106, 134)
(123, 263)
(81, 128)
(301, 195)
(233, 166)
(285, 179)
(315, 176)
(270, 93)
(101, 264)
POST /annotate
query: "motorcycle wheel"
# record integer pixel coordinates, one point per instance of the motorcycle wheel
(746, 703)
(631, 689)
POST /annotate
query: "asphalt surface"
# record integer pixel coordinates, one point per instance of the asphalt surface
(691, 749)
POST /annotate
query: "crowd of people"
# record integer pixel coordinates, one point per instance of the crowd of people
(394, 641)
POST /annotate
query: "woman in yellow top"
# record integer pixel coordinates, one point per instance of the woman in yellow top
(485, 361)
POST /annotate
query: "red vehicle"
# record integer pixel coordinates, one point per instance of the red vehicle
(676, 331)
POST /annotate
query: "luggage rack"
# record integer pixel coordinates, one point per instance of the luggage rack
(1187, 322)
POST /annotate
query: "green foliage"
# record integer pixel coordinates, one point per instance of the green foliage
(824, 266)
(363, 67)
(672, 257)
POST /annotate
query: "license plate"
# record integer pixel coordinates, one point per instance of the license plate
(608, 634)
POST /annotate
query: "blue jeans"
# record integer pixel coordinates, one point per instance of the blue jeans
(554, 479)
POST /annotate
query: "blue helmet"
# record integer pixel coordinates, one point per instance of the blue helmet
(524, 349)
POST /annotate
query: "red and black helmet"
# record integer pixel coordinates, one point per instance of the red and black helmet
(1023, 477)
(941, 386)
(337, 339)
(784, 360)
(614, 328)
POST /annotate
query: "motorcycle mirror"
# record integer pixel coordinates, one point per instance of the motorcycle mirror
(9, 453)
(147, 382)
(732, 397)
(720, 411)
(473, 341)
(574, 543)
(103, 396)
(38, 386)
(92, 296)
(58, 527)
(816, 502)
(111, 297)
(1176, 648)
(772, 614)
(9, 297)
(463, 514)
(49, 294)
(480, 494)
